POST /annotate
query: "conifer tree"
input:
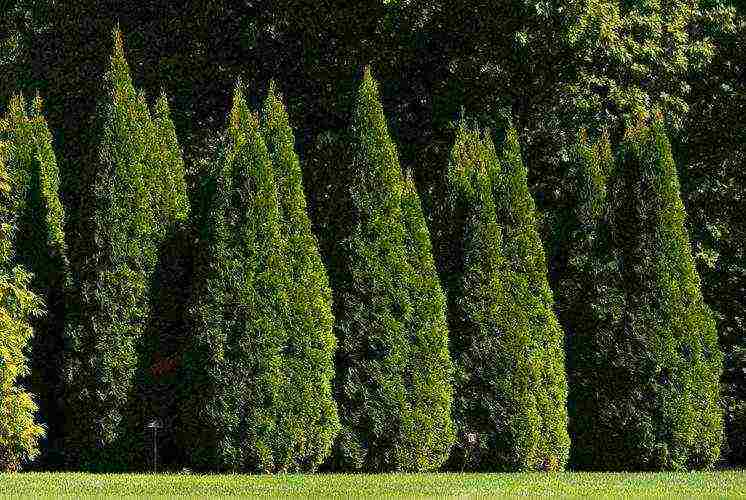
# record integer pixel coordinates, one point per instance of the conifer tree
(524, 252)
(312, 421)
(245, 362)
(104, 330)
(160, 347)
(510, 388)
(393, 366)
(172, 203)
(668, 342)
(590, 305)
(19, 431)
(39, 246)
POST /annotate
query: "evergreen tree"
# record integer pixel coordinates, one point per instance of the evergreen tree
(392, 366)
(668, 342)
(591, 306)
(104, 330)
(528, 283)
(312, 421)
(172, 202)
(244, 362)
(19, 432)
(160, 348)
(501, 334)
(40, 247)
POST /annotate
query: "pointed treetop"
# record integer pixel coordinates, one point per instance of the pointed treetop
(368, 90)
(272, 92)
(37, 106)
(17, 108)
(240, 115)
(161, 104)
(238, 109)
(466, 160)
(274, 106)
(118, 42)
(119, 71)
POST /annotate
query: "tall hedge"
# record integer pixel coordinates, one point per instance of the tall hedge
(524, 251)
(39, 246)
(312, 423)
(19, 430)
(591, 307)
(105, 328)
(510, 386)
(393, 366)
(668, 342)
(246, 363)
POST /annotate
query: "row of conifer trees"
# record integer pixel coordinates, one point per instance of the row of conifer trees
(219, 318)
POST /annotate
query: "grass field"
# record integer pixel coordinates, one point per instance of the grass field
(731, 484)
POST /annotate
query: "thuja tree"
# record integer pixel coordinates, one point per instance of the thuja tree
(392, 365)
(40, 247)
(104, 328)
(160, 347)
(501, 333)
(529, 287)
(19, 431)
(171, 199)
(312, 422)
(250, 403)
(591, 305)
(666, 356)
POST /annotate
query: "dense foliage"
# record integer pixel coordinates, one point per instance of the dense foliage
(393, 366)
(511, 389)
(671, 362)
(137, 197)
(39, 246)
(548, 68)
(260, 363)
(19, 430)
(643, 355)
(311, 343)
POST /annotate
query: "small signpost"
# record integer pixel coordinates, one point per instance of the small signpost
(155, 424)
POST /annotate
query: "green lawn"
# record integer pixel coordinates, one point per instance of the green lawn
(695, 485)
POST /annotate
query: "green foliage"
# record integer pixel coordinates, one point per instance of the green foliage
(172, 202)
(139, 194)
(39, 246)
(393, 367)
(644, 355)
(312, 422)
(19, 431)
(591, 307)
(511, 388)
(624, 64)
(711, 154)
(680, 365)
(252, 409)
(528, 283)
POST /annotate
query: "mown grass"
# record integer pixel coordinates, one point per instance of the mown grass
(730, 484)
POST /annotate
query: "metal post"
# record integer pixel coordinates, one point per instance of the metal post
(155, 450)
(155, 425)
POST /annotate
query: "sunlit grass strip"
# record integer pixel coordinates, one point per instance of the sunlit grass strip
(706, 484)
